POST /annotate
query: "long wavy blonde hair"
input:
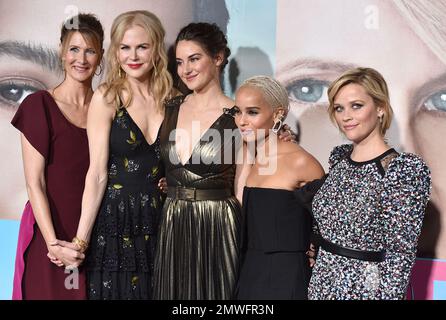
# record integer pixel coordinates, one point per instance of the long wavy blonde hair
(160, 80)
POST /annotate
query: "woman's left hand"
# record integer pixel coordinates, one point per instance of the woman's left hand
(54, 260)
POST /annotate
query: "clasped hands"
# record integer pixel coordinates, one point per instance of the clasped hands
(63, 253)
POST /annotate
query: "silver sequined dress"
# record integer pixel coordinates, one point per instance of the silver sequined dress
(373, 205)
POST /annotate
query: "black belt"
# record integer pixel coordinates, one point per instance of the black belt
(373, 256)
(192, 194)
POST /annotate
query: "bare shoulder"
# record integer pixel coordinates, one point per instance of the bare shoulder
(228, 102)
(101, 101)
(305, 163)
(101, 92)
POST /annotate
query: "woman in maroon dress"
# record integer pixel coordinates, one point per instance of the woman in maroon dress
(56, 159)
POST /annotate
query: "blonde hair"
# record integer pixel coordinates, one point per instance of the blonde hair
(427, 19)
(160, 80)
(273, 92)
(375, 85)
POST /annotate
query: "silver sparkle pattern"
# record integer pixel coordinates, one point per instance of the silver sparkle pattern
(374, 205)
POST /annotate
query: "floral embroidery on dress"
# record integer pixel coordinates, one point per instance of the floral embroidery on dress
(121, 240)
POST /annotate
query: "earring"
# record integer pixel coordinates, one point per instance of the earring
(277, 125)
(119, 73)
(100, 71)
(381, 118)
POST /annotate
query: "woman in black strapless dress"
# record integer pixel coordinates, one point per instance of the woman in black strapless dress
(277, 224)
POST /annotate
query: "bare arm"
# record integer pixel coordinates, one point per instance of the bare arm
(34, 165)
(309, 169)
(100, 117)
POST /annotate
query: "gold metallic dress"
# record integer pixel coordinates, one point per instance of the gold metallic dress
(199, 236)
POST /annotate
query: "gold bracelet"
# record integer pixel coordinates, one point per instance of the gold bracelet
(81, 243)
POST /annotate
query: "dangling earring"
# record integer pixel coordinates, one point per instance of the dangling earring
(119, 72)
(100, 70)
(277, 125)
(381, 118)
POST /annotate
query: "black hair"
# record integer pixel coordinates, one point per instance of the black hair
(209, 36)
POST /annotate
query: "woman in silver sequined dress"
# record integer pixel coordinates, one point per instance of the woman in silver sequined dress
(369, 211)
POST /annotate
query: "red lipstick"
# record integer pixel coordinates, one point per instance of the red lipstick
(135, 66)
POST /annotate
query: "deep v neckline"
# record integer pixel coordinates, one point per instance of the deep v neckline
(142, 133)
(199, 140)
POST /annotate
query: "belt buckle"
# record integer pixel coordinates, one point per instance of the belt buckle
(190, 193)
(185, 193)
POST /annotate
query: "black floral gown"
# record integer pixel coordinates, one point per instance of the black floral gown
(120, 258)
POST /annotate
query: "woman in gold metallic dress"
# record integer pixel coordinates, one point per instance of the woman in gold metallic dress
(198, 248)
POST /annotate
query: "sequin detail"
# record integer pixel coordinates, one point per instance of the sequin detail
(374, 205)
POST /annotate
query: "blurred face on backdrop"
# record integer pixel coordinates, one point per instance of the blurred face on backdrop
(29, 61)
(319, 40)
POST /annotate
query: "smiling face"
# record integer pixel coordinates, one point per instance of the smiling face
(356, 114)
(135, 53)
(195, 66)
(79, 58)
(254, 117)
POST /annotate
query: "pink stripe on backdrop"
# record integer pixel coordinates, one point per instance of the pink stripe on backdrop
(26, 233)
(424, 273)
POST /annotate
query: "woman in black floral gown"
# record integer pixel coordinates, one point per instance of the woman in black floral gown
(121, 196)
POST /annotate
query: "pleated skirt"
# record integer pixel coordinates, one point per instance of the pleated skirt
(197, 255)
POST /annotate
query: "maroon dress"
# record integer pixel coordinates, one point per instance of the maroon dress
(65, 149)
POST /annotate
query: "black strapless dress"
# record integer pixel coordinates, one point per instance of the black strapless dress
(276, 237)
